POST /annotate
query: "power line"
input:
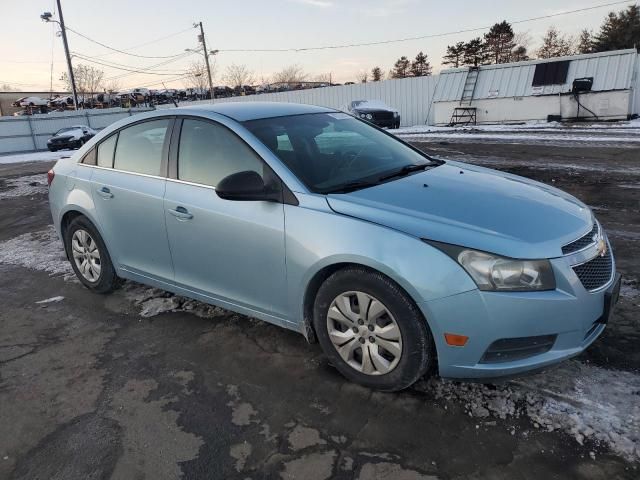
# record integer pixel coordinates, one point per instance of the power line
(420, 37)
(163, 81)
(149, 42)
(118, 50)
(125, 69)
(185, 55)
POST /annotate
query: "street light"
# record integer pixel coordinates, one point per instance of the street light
(48, 17)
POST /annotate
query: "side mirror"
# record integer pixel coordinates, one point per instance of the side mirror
(247, 186)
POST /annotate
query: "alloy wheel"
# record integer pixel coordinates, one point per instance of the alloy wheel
(86, 255)
(364, 333)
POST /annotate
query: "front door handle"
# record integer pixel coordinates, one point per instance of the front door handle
(181, 213)
(104, 192)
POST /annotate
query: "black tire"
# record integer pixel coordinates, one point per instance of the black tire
(418, 355)
(107, 281)
(53, 149)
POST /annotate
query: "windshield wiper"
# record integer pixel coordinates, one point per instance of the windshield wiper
(406, 170)
(352, 186)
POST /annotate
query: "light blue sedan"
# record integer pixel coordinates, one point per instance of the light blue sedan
(398, 264)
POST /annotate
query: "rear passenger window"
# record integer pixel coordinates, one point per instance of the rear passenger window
(139, 148)
(105, 152)
(209, 152)
(90, 157)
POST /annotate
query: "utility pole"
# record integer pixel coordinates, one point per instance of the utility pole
(206, 59)
(66, 51)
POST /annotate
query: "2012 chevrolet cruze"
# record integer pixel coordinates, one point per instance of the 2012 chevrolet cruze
(397, 263)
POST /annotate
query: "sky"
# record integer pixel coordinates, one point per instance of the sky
(28, 45)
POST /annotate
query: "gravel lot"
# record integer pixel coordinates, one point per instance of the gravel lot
(142, 384)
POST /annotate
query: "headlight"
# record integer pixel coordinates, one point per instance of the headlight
(495, 273)
(396, 114)
(369, 116)
(362, 115)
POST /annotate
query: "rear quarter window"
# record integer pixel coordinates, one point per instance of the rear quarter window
(105, 152)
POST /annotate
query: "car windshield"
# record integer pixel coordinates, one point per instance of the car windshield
(334, 152)
(66, 129)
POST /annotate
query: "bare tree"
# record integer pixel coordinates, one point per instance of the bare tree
(323, 77)
(5, 87)
(362, 76)
(112, 86)
(290, 74)
(238, 75)
(88, 80)
(196, 77)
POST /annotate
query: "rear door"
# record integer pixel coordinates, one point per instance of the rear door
(229, 250)
(128, 190)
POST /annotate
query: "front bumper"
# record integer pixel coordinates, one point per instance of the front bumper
(563, 322)
(65, 144)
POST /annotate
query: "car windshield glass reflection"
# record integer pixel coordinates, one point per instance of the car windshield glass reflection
(333, 152)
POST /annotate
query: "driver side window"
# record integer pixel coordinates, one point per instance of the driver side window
(208, 152)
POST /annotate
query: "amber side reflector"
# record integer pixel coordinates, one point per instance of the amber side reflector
(455, 340)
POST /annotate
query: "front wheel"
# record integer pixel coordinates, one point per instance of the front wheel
(89, 256)
(371, 331)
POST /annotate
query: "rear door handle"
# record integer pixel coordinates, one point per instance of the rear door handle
(105, 192)
(181, 213)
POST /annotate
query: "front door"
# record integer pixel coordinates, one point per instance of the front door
(229, 250)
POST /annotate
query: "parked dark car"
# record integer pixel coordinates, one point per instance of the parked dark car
(70, 137)
(376, 112)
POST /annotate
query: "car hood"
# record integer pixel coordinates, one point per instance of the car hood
(473, 207)
(373, 109)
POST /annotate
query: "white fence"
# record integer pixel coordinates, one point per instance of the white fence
(412, 97)
(30, 133)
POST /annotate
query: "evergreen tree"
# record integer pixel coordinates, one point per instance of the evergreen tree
(555, 44)
(475, 53)
(619, 30)
(421, 67)
(401, 68)
(500, 42)
(519, 54)
(455, 55)
(585, 42)
(376, 74)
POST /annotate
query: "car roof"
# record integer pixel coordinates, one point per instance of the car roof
(243, 111)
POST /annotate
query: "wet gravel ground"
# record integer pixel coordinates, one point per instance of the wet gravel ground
(141, 384)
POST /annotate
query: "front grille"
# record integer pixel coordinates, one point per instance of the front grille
(383, 116)
(512, 349)
(595, 273)
(582, 242)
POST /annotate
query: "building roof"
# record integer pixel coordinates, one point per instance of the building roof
(243, 111)
(611, 71)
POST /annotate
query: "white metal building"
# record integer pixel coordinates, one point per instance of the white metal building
(537, 89)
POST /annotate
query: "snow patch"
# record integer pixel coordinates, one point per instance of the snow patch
(584, 401)
(41, 251)
(25, 186)
(35, 157)
(154, 301)
(51, 300)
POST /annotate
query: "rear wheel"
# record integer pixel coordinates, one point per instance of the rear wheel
(89, 256)
(371, 330)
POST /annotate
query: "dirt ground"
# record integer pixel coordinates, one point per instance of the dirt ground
(140, 384)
